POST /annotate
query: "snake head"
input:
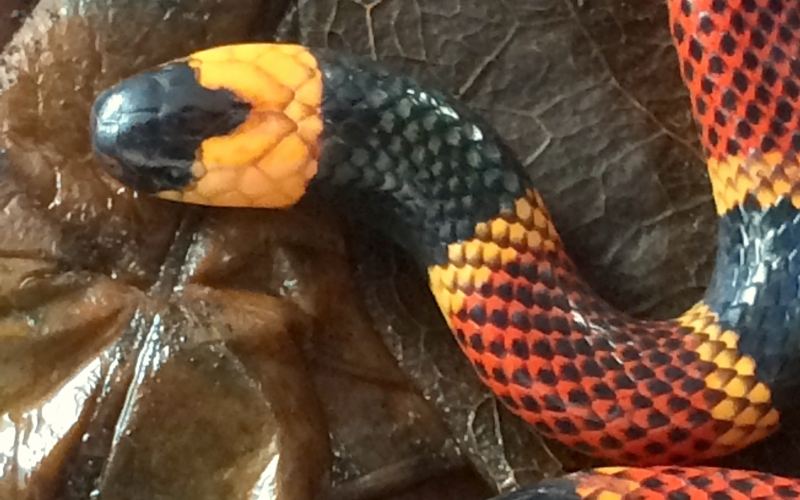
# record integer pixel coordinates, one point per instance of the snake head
(147, 129)
(229, 126)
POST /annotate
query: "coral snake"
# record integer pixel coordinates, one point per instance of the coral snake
(260, 125)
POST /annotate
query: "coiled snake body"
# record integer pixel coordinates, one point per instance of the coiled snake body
(259, 125)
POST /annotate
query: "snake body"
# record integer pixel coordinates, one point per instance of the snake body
(260, 125)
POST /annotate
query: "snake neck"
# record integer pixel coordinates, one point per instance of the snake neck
(439, 181)
(429, 170)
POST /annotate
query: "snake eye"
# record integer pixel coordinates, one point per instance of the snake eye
(111, 166)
